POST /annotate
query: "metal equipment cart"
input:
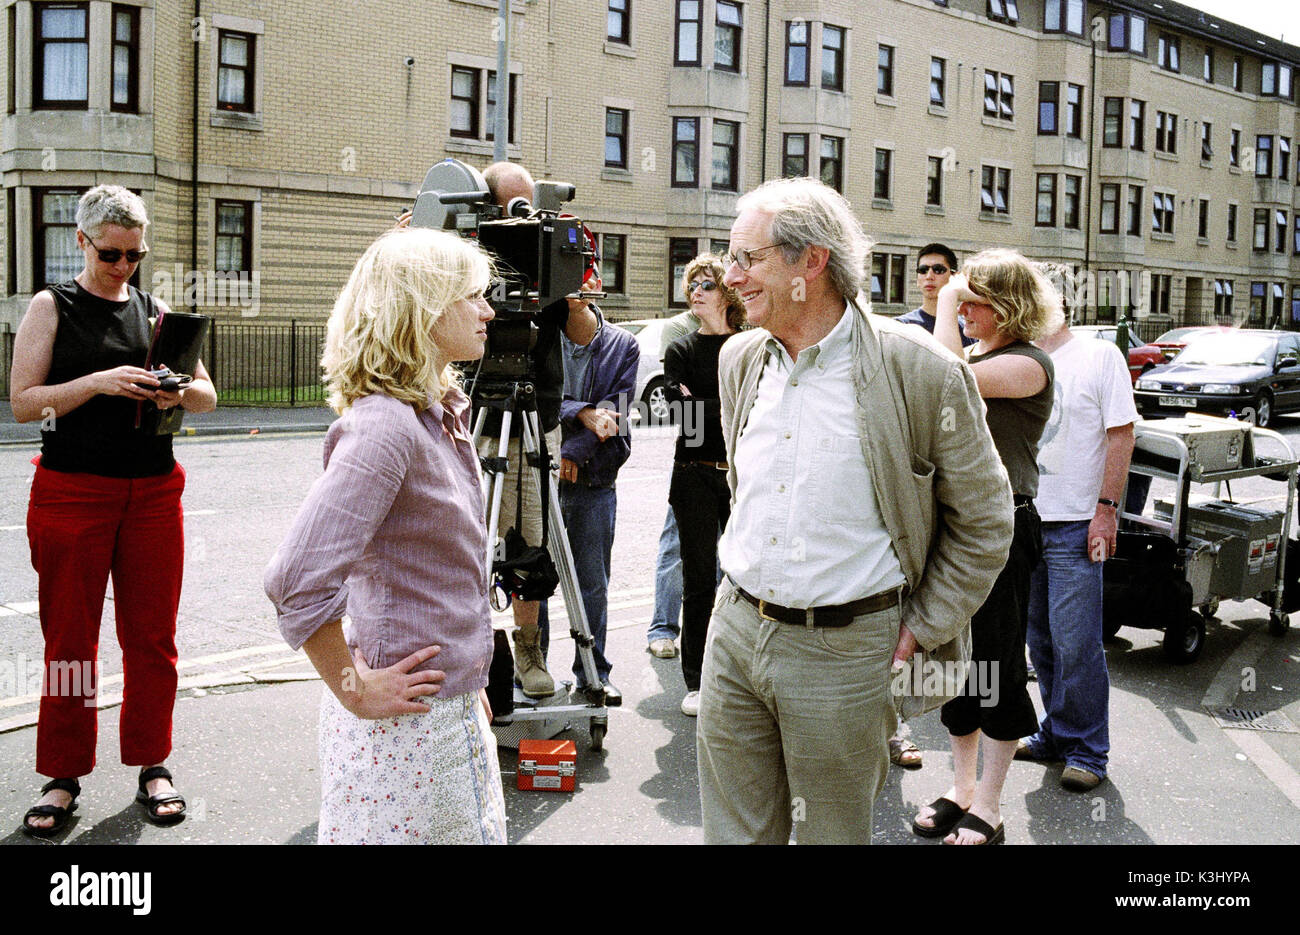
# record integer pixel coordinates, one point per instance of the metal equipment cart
(1173, 565)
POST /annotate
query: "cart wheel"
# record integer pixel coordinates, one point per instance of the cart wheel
(1278, 624)
(1210, 609)
(1185, 638)
(598, 736)
(1110, 625)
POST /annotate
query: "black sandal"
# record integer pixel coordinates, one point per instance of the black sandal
(946, 814)
(974, 823)
(60, 813)
(152, 803)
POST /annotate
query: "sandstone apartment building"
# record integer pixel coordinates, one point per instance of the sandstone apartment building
(1133, 136)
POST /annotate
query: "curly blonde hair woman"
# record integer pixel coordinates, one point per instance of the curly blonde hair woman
(710, 266)
(393, 535)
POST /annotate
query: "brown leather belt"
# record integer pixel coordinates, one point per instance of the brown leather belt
(716, 465)
(838, 615)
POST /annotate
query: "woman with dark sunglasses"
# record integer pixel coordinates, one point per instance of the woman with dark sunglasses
(106, 499)
(697, 492)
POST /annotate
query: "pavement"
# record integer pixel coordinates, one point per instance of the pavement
(225, 420)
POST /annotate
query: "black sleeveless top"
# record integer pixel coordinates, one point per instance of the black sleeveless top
(99, 436)
(1017, 424)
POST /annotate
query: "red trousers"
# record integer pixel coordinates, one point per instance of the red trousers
(81, 528)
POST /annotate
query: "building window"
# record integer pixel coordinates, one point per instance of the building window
(1004, 11)
(1063, 16)
(888, 277)
(1263, 156)
(1283, 158)
(1222, 298)
(1232, 223)
(235, 71)
(885, 70)
(1113, 112)
(1162, 213)
(615, 138)
(726, 36)
(464, 102)
(686, 152)
(613, 262)
(726, 146)
(681, 250)
(1166, 132)
(938, 82)
(1128, 33)
(995, 189)
(1258, 302)
(832, 58)
(1161, 288)
(490, 123)
(1295, 237)
(1070, 202)
(794, 155)
(1203, 219)
(1049, 100)
(1236, 73)
(934, 182)
(57, 258)
(1207, 133)
(1109, 208)
(1134, 226)
(686, 50)
(1207, 65)
(1275, 80)
(796, 53)
(1137, 125)
(126, 59)
(234, 239)
(1167, 52)
(1074, 111)
(882, 188)
(1260, 242)
(1234, 148)
(1279, 230)
(618, 22)
(1045, 210)
(61, 55)
(832, 162)
(999, 95)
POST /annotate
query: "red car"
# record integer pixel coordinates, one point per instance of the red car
(1171, 343)
(1141, 357)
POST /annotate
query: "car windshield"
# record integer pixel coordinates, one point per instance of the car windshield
(1171, 337)
(631, 326)
(1229, 350)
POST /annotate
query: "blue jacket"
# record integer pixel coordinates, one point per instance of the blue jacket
(610, 384)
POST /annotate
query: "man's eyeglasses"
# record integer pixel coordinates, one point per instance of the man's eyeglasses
(112, 255)
(939, 269)
(745, 258)
(708, 285)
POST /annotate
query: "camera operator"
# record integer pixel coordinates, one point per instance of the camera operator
(507, 180)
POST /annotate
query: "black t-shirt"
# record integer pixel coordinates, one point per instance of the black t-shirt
(101, 436)
(1017, 424)
(692, 361)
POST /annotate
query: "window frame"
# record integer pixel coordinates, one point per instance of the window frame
(1162, 212)
(615, 283)
(736, 30)
(732, 153)
(1232, 224)
(1166, 133)
(1203, 219)
(934, 182)
(623, 10)
(1260, 230)
(1137, 125)
(39, 227)
(882, 177)
(837, 56)
(942, 79)
(1065, 10)
(1126, 33)
(787, 155)
(1112, 124)
(1282, 157)
(675, 180)
(475, 114)
(1108, 197)
(1004, 11)
(1281, 226)
(678, 24)
(621, 137)
(1073, 123)
(1169, 53)
(790, 27)
(1207, 141)
(40, 43)
(834, 160)
(1003, 98)
(681, 250)
(1071, 202)
(1049, 103)
(132, 45)
(1135, 206)
(1263, 155)
(249, 105)
(489, 113)
(1207, 65)
(244, 237)
(1050, 192)
(995, 184)
(885, 70)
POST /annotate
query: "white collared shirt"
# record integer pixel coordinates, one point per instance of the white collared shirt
(806, 530)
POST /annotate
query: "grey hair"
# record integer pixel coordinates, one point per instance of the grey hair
(808, 213)
(110, 204)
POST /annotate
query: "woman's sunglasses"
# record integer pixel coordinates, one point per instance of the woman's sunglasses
(708, 285)
(112, 255)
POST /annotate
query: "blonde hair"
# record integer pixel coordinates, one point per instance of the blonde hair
(711, 264)
(379, 338)
(1025, 303)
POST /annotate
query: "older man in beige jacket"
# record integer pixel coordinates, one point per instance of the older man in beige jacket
(871, 516)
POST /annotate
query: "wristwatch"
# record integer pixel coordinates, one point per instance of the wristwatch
(1110, 503)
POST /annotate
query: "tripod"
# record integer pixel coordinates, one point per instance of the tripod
(519, 399)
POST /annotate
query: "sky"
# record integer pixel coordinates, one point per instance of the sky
(1279, 19)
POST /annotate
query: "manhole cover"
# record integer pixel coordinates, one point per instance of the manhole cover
(1249, 719)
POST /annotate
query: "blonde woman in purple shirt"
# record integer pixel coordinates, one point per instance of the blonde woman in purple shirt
(393, 536)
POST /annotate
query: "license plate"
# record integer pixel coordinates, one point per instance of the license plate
(1187, 402)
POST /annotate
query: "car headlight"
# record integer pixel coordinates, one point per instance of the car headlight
(1221, 389)
(1148, 384)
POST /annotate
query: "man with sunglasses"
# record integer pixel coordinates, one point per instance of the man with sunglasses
(935, 263)
(870, 518)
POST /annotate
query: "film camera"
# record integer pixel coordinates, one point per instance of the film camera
(540, 256)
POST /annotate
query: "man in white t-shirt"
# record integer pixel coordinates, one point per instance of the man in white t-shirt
(1082, 463)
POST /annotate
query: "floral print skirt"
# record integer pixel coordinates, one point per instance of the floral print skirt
(429, 778)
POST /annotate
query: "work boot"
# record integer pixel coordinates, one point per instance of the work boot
(530, 667)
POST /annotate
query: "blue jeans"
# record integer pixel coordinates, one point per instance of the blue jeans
(589, 517)
(667, 620)
(1064, 639)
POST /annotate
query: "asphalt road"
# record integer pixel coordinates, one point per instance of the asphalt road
(246, 723)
